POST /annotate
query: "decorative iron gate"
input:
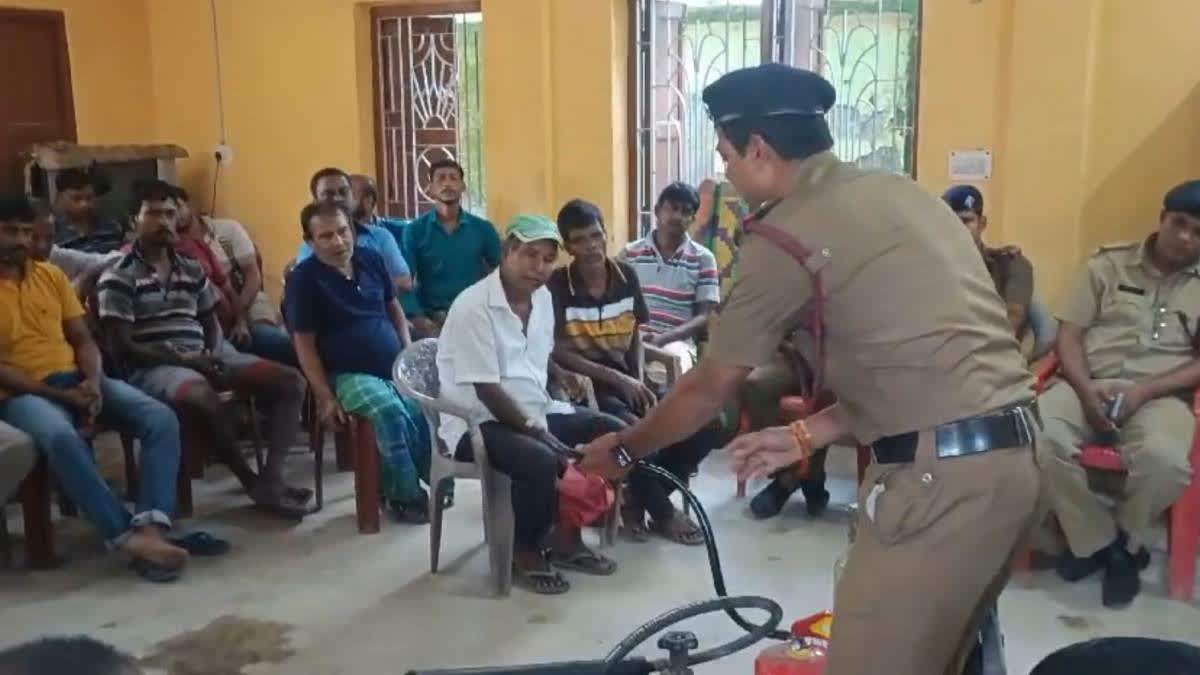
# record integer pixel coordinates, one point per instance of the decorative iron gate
(428, 108)
(867, 48)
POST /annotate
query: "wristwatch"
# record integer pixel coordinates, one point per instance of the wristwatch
(622, 457)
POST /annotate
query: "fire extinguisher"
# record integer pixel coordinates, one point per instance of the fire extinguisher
(805, 653)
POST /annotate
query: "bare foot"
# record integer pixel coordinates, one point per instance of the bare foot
(148, 544)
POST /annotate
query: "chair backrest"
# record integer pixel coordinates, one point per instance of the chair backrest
(416, 372)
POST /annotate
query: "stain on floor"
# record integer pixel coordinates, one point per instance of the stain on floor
(224, 647)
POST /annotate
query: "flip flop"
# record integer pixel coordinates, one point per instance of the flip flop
(201, 544)
(278, 504)
(301, 495)
(542, 582)
(155, 572)
(585, 562)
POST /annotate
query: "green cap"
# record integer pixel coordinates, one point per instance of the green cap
(532, 227)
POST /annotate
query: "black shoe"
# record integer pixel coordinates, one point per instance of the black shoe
(1072, 568)
(769, 502)
(1142, 558)
(413, 511)
(1122, 581)
(816, 497)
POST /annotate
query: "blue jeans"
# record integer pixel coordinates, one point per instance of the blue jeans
(273, 343)
(52, 427)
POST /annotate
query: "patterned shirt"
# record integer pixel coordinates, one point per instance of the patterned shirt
(599, 329)
(132, 291)
(675, 284)
(107, 236)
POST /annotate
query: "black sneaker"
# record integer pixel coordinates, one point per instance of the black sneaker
(769, 502)
(816, 497)
(1072, 568)
(1122, 581)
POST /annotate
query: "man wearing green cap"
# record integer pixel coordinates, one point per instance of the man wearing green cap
(494, 359)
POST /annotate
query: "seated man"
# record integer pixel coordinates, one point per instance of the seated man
(53, 384)
(367, 197)
(157, 308)
(1128, 347)
(81, 267)
(493, 358)
(348, 336)
(333, 185)
(1011, 271)
(256, 326)
(598, 307)
(447, 249)
(78, 224)
(678, 275)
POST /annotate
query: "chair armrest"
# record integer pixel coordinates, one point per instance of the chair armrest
(671, 362)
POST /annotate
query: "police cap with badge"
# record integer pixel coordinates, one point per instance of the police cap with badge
(1184, 198)
(962, 198)
(770, 91)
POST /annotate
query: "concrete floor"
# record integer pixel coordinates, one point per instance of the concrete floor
(320, 599)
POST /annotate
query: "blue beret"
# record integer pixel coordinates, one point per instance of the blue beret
(769, 90)
(964, 198)
(1184, 198)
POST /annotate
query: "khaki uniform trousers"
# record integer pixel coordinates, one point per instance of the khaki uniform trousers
(1155, 444)
(932, 554)
(17, 455)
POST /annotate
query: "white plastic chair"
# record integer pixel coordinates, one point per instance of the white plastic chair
(415, 374)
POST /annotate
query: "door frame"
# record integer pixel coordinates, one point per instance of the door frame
(66, 91)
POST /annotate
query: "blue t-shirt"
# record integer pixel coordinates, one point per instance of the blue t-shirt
(375, 238)
(349, 317)
(444, 265)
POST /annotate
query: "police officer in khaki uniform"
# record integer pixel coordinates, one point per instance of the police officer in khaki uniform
(1010, 270)
(1129, 329)
(901, 321)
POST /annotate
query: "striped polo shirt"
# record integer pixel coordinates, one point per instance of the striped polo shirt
(673, 285)
(132, 291)
(599, 329)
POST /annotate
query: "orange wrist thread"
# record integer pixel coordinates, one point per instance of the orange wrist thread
(804, 441)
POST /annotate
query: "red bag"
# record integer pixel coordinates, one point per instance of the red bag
(583, 498)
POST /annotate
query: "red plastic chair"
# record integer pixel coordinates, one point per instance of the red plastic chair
(1183, 525)
(794, 408)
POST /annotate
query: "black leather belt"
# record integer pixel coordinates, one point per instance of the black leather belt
(1007, 428)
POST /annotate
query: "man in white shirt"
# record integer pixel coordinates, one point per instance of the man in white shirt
(493, 358)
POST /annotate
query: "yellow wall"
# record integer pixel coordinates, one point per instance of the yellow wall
(110, 67)
(1091, 108)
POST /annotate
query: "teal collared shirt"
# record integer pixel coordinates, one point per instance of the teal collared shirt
(444, 264)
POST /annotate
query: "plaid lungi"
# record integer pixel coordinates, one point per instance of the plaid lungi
(399, 426)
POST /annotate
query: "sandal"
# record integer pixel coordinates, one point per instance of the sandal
(155, 572)
(541, 581)
(633, 520)
(201, 544)
(278, 502)
(585, 562)
(301, 495)
(679, 529)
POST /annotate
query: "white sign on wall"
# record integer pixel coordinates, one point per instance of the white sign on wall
(970, 165)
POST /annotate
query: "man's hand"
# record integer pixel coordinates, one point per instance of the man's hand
(91, 388)
(209, 365)
(761, 453)
(425, 327)
(654, 339)
(636, 394)
(1095, 397)
(240, 334)
(573, 385)
(598, 458)
(330, 412)
(1135, 398)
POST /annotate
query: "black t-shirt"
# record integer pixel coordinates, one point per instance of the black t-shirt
(601, 329)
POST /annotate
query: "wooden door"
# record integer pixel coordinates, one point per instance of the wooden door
(36, 106)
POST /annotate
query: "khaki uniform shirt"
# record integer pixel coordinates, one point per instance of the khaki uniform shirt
(1133, 316)
(916, 335)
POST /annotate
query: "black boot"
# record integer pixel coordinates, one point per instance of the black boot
(769, 502)
(1122, 579)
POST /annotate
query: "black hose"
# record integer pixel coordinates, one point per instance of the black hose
(710, 544)
(651, 628)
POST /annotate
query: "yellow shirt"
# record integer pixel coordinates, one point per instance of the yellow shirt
(32, 312)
